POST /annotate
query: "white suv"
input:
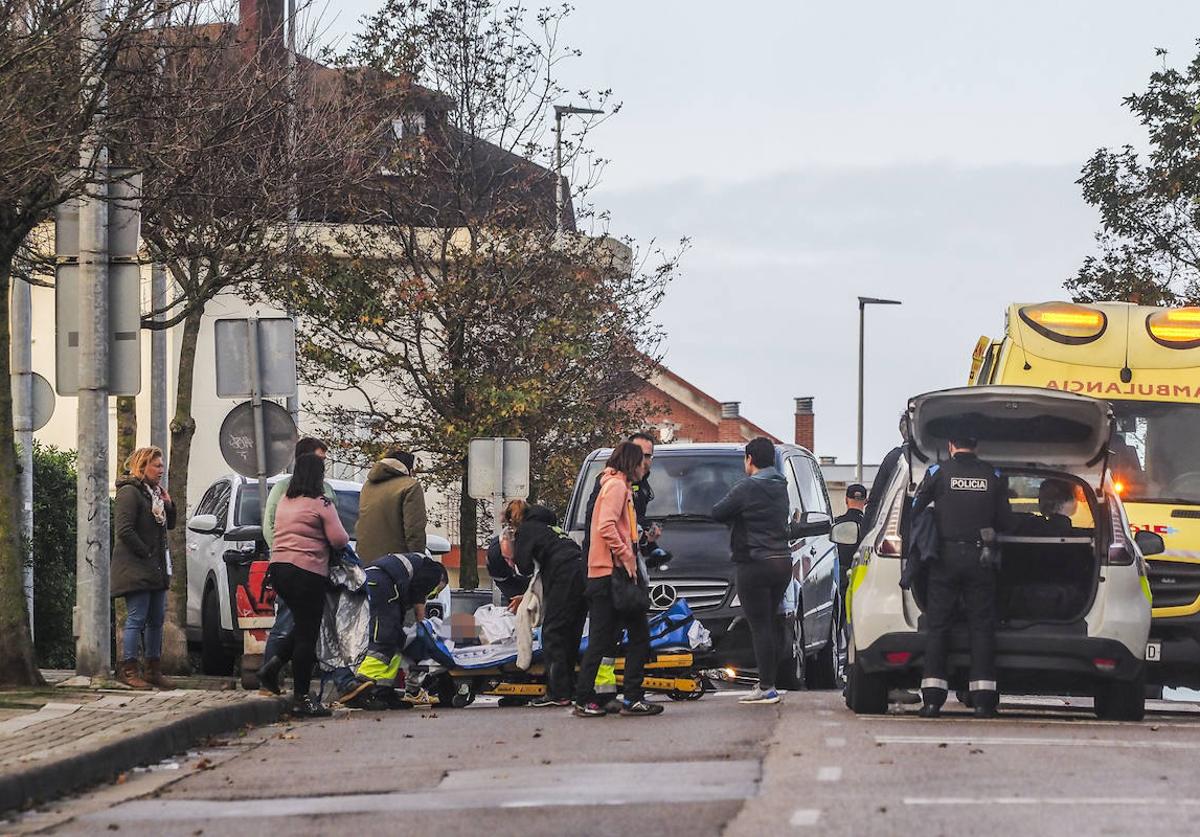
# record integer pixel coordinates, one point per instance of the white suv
(224, 538)
(1073, 602)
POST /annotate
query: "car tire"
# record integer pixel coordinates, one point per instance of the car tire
(791, 671)
(1122, 700)
(824, 671)
(215, 659)
(866, 694)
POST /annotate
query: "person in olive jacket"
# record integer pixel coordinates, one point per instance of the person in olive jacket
(144, 513)
(391, 510)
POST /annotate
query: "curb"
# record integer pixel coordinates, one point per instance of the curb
(49, 779)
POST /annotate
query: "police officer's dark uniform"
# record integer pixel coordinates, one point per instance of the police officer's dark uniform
(846, 551)
(969, 496)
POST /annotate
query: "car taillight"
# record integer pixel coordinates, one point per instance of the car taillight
(1104, 664)
(897, 658)
(889, 544)
(1119, 553)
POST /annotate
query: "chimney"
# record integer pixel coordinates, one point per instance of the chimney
(805, 422)
(730, 428)
(260, 24)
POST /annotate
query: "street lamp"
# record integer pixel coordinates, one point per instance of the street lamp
(560, 199)
(863, 302)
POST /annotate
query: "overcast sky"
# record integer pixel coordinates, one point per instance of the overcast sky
(817, 151)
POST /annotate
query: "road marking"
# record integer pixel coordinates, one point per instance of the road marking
(540, 786)
(1114, 743)
(831, 723)
(824, 711)
(829, 774)
(1051, 800)
(835, 742)
(1023, 720)
(803, 817)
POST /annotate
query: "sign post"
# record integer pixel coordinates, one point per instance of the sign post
(498, 470)
(256, 359)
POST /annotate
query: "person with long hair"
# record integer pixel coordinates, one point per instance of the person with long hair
(307, 532)
(139, 572)
(614, 538)
(533, 539)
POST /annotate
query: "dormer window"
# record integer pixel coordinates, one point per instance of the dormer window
(409, 126)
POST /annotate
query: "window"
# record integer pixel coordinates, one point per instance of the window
(208, 503)
(249, 512)
(409, 126)
(812, 487)
(1153, 454)
(1049, 506)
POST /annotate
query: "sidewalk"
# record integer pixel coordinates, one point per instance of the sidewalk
(56, 740)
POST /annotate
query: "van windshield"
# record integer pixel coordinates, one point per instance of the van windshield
(1154, 454)
(683, 484)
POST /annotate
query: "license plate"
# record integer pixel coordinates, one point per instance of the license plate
(1153, 652)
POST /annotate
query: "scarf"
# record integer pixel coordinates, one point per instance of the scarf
(157, 507)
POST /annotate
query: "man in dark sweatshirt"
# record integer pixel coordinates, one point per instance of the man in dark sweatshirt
(756, 510)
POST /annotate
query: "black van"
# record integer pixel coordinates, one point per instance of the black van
(687, 480)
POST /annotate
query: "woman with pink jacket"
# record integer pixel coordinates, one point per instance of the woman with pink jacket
(614, 538)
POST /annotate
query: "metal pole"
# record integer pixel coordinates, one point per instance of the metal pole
(858, 468)
(92, 607)
(497, 504)
(159, 437)
(559, 201)
(22, 374)
(293, 401)
(260, 433)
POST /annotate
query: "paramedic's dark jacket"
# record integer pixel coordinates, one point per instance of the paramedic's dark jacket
(968, 495)
(541, 544)
(511, 582)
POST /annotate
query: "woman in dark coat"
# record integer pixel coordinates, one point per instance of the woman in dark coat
(144, 513)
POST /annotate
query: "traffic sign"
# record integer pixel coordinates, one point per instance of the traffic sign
(239, 442)
(276, 353)
(498, 469)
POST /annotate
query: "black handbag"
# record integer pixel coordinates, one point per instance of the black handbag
(627, 595)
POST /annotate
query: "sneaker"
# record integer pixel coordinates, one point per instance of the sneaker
(929, 711)
(310, 707)
(547, 702)
(369, 702)
(361, 685)
(640, 707)
(614, 706)
(758, 695)
(589, 710)
(418, 698)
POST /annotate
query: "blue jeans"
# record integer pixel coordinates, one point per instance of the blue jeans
(145, 611)
(284, 625)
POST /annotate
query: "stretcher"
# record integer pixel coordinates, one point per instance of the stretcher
(457, 676)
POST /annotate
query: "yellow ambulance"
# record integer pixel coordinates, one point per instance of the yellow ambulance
(1145, 362)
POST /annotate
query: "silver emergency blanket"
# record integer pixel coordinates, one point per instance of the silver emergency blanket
(342, 642)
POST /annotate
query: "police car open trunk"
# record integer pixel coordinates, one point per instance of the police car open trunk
(1052, 448)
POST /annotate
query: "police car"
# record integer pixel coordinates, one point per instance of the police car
(1073, 605)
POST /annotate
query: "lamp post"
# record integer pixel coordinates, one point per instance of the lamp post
(863, 302)
(560, 199)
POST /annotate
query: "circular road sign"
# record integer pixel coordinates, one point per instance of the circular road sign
(238, 443)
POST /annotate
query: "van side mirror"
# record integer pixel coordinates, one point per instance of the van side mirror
(1150, 543)
(845, 533)
(810, 524)
(204, 524)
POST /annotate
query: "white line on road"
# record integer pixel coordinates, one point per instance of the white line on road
(831, 723)
(1050, 800)
(834, 742)
(829, 774)
(978, 740)
(802, 817)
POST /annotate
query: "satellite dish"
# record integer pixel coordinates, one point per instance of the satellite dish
(237, 438)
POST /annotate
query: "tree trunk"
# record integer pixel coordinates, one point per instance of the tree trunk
(183, 428)
(126, 429)
(17, 665)
(468, 537)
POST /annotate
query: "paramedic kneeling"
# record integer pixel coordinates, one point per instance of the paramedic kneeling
(394, 584)
(970, 500)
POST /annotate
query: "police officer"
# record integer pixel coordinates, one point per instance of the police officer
(856, 501)
(970, 500)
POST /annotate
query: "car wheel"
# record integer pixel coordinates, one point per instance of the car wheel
(1122, 700)
(824, 672)
(791, 671)
(866, 694)
(215, 658)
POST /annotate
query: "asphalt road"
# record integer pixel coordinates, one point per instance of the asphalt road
(710, 767)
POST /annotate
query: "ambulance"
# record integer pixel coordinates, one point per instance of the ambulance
(1145, 362)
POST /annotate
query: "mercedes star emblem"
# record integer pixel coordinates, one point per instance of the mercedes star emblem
(662, 596)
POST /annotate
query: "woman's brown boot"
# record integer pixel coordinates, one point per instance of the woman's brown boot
(127, 673)
(154, 676)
